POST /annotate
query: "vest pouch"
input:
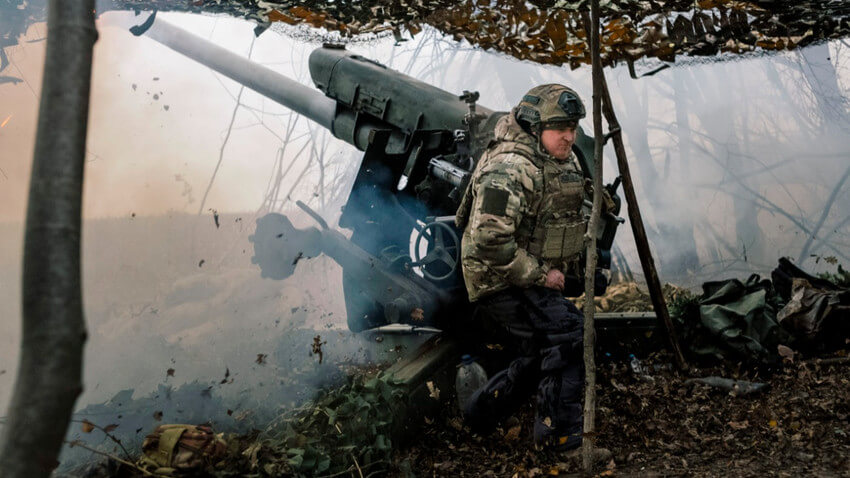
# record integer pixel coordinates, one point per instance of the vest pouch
(552, 241)
(558, 239)
(573, 240)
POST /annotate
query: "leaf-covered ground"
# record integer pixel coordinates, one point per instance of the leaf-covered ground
(654, 424)
(653, 419)
(659, 425)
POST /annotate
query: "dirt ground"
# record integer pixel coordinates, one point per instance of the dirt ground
(661, 426)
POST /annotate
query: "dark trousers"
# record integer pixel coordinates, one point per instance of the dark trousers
(548, 330)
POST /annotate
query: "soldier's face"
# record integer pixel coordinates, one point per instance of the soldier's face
(559, 141)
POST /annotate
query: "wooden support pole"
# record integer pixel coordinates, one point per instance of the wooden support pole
(589, 426)
(644, 252)
(635, 219)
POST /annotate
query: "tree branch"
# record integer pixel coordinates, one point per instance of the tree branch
(823, 215)
(226, 138)
(635, 219)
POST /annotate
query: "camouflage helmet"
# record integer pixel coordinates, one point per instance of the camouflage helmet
(549, 104)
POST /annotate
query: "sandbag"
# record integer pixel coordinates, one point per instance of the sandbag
(182, 447)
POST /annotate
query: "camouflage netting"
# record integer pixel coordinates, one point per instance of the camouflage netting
(630, 297)
(549, 32)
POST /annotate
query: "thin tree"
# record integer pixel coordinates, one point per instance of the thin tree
(49, 374)
(590, 241)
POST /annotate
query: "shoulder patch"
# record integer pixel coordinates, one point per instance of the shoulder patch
(494, 201)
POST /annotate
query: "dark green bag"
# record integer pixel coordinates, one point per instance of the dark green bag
(737, 321)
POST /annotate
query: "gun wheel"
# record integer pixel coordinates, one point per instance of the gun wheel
(443, 250)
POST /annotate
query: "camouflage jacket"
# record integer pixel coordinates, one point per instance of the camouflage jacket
(521, 214)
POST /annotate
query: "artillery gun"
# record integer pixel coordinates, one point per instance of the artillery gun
(420, 146)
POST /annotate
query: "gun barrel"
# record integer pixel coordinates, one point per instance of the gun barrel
(299, 98)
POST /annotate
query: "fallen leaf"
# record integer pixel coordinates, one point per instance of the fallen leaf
(785, 352)
(433, 391)
(739, 425)
(317, 347)
(417, 314)
(513, 433)
(242, 415)
(214, 212)
(251, 453)
(276, 16)
(87, 426)
(261, 359)
(110, 428)
(772, 424)
(169, 372)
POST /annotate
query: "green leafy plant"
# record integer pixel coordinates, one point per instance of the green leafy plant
(344, 429)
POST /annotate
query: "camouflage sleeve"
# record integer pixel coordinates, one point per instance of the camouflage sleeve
(503, 191)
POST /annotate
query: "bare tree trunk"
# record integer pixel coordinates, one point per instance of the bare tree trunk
(49, 375)
(685, 260)
(820, 73)
(590, 241)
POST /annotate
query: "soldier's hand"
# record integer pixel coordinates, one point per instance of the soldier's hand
(555, 279)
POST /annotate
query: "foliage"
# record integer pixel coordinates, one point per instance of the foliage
(840, 277)
(343, 429)
(683, 306)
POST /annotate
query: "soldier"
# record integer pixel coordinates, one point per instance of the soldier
(522, 245)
